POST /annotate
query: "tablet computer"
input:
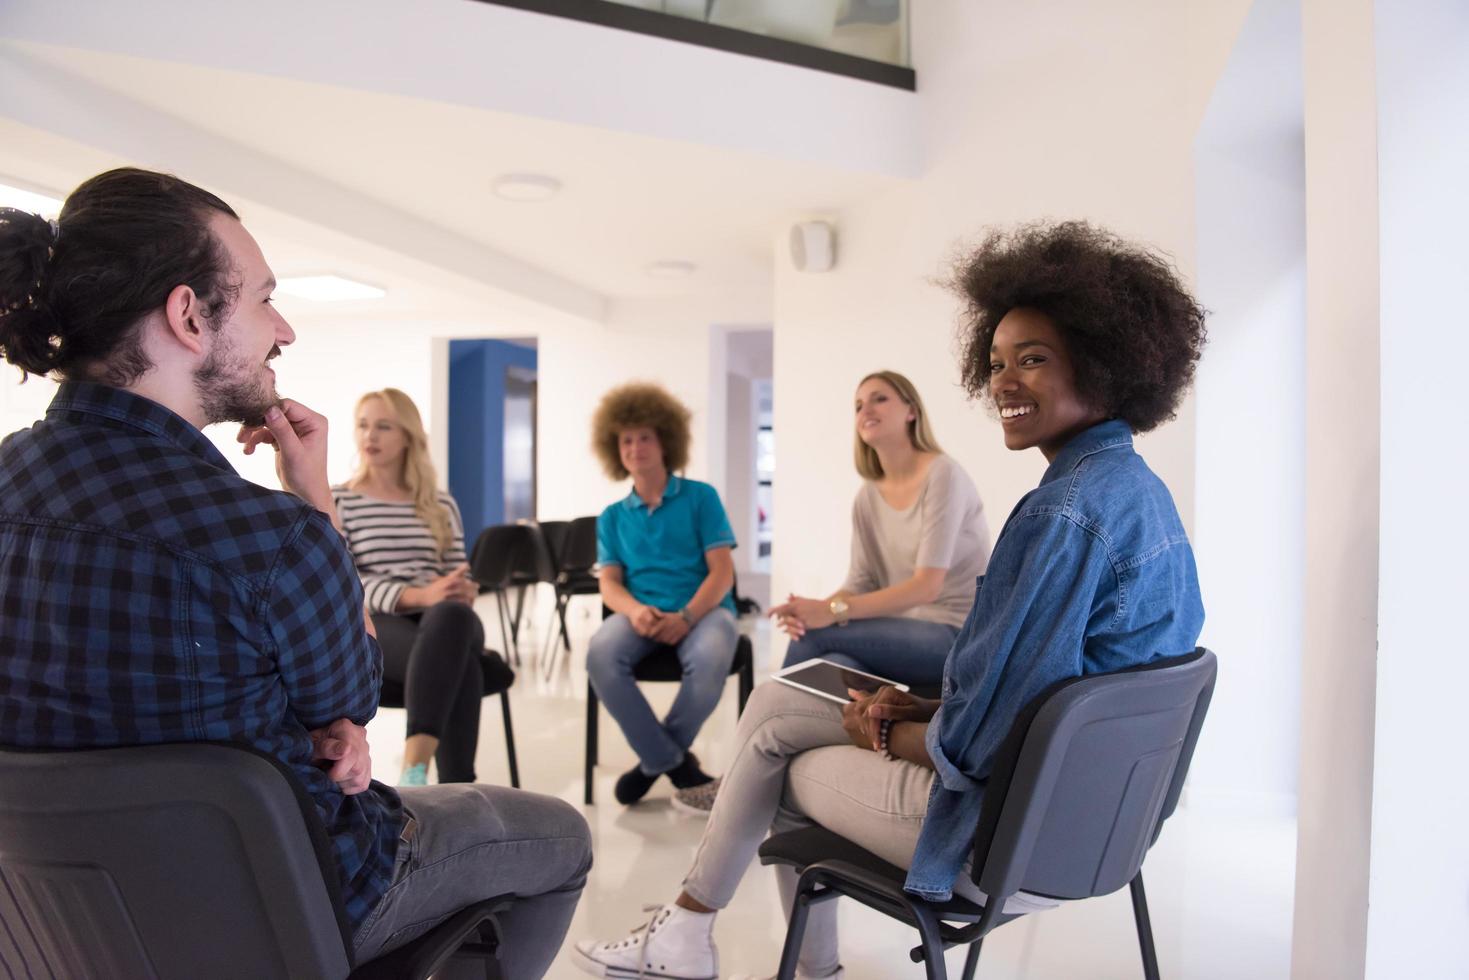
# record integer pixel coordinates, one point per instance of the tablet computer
(832, 681)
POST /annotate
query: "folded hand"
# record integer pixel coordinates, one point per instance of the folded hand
(343, 745)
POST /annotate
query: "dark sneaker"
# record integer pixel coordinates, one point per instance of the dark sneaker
(687, 774)
(633, 785)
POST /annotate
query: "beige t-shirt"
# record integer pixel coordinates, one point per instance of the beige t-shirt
(945, 528)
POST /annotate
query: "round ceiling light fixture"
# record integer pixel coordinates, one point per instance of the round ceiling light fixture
(525, 187)
(671, 269)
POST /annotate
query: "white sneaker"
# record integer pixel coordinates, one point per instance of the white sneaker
(675, 944)
(839, 975)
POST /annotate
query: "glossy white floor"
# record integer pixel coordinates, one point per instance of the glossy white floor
(1219, 885)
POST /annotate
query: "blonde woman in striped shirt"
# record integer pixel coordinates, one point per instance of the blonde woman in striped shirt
(407, 540)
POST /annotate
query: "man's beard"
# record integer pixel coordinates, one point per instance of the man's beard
(232, 391)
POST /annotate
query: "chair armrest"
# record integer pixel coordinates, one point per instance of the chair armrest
(421, 958)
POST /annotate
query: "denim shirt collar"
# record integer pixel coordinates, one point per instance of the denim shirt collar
(86, 398)
(1104, 435)
(632, 501)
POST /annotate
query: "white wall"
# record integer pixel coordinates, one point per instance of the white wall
(1249, 519)
(22, 404)
(1418, 898)
(332, 363)
(677, 343)
(328, 368)
(1030, 111)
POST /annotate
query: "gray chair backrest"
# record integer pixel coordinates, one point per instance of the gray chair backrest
(1081, 788)
(162, 861)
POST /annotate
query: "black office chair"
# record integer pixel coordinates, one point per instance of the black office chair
(505, 557)
(498, 677)
(662, 665)
(180, 861)
(554, 534)
(1078, 793)
(576, 556)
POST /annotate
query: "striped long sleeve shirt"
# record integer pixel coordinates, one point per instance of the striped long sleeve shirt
(392, 546)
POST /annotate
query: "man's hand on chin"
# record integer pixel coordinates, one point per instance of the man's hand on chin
(343, 745)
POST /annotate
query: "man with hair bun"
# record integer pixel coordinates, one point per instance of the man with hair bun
(153, 595)
(666, 572)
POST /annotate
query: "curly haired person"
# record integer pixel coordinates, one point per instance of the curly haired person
(665, 569)
(1076, 340)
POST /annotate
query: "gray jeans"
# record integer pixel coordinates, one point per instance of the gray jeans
(795, 766)
(467, 842)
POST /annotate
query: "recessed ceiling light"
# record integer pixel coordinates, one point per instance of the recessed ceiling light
(671, 269)
(526, 187)
(14, 194)
(327, 289)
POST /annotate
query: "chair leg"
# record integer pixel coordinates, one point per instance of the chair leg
(591, 753)
(558, 621)
(747, 685)
(932, 945)
(971, 959)
(519, 609)
(561, 603)
(1144, 928)
(512, 649)
(510, 739)
(790, 953)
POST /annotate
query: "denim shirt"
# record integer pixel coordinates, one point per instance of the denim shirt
(1091, 573)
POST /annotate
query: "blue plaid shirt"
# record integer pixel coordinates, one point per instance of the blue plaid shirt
(148, 593)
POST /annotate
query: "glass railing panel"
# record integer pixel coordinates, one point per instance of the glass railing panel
(873, 29)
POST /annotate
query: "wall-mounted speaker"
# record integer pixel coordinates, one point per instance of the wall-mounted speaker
(813, 246)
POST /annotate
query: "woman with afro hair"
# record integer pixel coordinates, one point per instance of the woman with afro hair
(665, 570)
(1076, 340)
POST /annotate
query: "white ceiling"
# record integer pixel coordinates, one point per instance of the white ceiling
(627, 200)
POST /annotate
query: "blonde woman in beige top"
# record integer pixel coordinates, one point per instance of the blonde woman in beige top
(919, 542)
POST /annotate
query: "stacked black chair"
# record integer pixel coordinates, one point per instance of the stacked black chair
(497, 680)
(1078, 793)
(190, 860)
(554, 533)
(505, 557)
(574, 548)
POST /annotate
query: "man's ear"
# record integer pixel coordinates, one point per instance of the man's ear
(184, 314)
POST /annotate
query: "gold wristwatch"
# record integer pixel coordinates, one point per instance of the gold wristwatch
(839, 609)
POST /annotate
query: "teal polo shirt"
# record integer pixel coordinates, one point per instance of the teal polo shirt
(661, 551)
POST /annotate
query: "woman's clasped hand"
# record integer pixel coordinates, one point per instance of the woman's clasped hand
(862, 717)
(455, 586)
(798, 614)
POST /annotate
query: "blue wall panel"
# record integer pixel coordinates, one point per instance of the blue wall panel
(477, 427)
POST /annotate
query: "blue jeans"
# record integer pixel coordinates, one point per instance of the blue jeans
(911, 651)
(705, 655)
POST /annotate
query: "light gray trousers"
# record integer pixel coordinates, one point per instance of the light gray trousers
(794, 766)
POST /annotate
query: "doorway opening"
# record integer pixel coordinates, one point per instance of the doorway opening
(750, 455)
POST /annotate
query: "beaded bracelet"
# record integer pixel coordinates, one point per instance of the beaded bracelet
(884, 731)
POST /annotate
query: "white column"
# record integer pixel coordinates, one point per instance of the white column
(1339, 655)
